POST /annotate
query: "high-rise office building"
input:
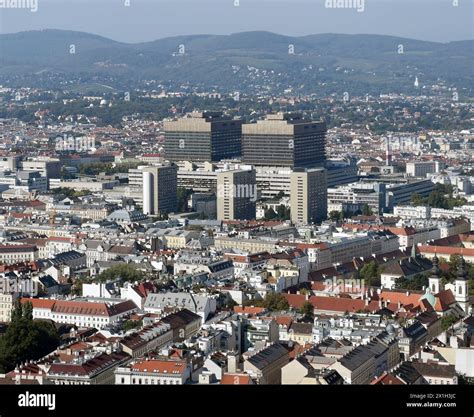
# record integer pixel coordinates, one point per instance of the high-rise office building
(308, 195)
(160, 189)
(203, 136)
(236, 195)
(284, 139)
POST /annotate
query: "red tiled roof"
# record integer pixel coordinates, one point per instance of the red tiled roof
(235, 379)
(39, 302)
(318, 285)
(399, 231)
(339, 304)
(404, 298)
(444, 299)
(144, 288)
(387, 379)
(89, 368)
(81, 307)
(295, 300)
(159, 366)
(248, 310)
(446, 250)
(284, 320)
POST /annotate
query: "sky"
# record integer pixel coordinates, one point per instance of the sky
(147, 20)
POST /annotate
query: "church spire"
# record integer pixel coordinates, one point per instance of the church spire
(435, 280)
(435, 271)
(462, 270)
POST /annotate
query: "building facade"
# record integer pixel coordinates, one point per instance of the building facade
(284, 139)
(308, 196)
(203, 136)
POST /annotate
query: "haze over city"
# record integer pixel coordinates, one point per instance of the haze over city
(146, 20)
(221, 193)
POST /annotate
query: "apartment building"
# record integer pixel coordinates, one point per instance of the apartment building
(81, 312)
(265, 366)
(12, 254)
(153, 372)
(308, 196)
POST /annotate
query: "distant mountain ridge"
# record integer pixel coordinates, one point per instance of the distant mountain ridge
(242, 61)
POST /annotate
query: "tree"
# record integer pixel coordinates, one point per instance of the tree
(454, 262)
(230, 303)
(270, 214)
(272, 302)
(17, 312)
(334, 215)
(366, 210)
(417, 283)
(125, 272)
(447, 321)
(26, 339)
(183, 195)
(370, 273)
(27, 311)
(436, 199)
(131, 324)
(417, 199)
(307, 309)
(342, 215)
(283, 213)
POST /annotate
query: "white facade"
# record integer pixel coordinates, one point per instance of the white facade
(412, 212)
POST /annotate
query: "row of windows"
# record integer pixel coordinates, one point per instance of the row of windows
(152, 381)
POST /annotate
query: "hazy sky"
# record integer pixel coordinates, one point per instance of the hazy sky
(145, 20)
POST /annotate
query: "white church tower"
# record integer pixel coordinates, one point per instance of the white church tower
(462, 287)
(435, 280)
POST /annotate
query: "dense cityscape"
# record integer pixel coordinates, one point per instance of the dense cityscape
(160, 232)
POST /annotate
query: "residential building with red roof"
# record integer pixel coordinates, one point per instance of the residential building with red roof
(153, 372)
(236, 379)
(82, 313)
(96, 368)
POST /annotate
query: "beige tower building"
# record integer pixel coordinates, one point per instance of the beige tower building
(203, 136)
(284, 140)
(308, 195)
(160, 189)
(236, 195)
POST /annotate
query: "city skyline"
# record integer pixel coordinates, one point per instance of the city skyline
(286, 203)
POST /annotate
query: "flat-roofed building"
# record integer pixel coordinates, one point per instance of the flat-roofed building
(308, 196)
(203, 136)
(284, 139)
(236, 195)
(160, 189)
(423, 168)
